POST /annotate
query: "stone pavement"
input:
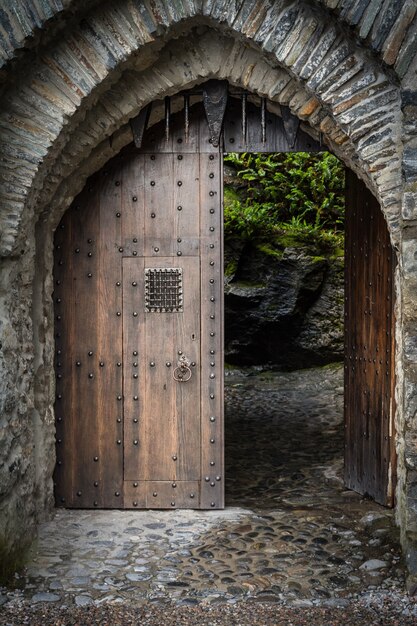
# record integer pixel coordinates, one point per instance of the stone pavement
(290, 531)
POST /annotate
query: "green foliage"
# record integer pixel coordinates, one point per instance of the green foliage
(297, 192)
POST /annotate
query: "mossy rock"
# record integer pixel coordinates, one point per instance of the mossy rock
(269, 248)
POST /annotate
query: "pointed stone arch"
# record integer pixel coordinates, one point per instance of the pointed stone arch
(88, 62)
(104, 129)
(66, 113)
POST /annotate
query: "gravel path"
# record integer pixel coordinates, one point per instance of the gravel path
(377, 612)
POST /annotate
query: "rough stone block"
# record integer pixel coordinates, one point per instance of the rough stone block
(411, 560)
(393, 42)
(409, 206)
(410, 345)
(334, 58)
(369, 17)
(411, 489)
(342, 75)
(410, 164)
(411, 502)
(309, 108)
(247, 12)
(319, 51)
(407, 54)
(276, 27)
(356, 12)
(297, 39)
(363, 80)
(305, 53)
(384, 22)
(410, 450)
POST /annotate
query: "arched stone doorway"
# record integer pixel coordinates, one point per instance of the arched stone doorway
(128, 435)
(67, 116)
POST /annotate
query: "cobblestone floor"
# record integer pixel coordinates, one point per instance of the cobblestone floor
(290, 532)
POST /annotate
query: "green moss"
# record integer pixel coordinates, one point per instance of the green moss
(230, 195)
(329, 366)
(338, 252)
(288, 239)
(268, 249)
(230, 268)
(11, 560)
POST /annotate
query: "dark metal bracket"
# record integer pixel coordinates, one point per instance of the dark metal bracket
(139, 124)
(291, 125)
(215, 100)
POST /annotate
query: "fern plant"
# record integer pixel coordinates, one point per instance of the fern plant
(296, 190)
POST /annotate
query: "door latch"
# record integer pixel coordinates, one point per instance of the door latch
(182, 373)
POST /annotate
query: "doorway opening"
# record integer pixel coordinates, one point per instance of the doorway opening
(293, 452)
(284, 320)
(139, 404)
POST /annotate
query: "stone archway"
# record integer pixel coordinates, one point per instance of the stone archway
(67, 115)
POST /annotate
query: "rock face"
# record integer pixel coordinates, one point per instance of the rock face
(282, 308)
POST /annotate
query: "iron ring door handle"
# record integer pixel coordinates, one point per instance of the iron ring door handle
(182, 373)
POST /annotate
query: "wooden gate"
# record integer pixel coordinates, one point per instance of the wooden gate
(369, 347)
(138, 301)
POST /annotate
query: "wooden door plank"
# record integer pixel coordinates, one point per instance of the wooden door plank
(132, 207)
(109, 352)
(369, 368)
(167, 410)
(161, 433)
(85, 397)
(184, 218)
(157, 345)
(158, 186)
(275, 138)
(186, 329)
(64, 308)
(133, 220)
(92, 340)
(155, 139)
(212, 461)
(134, 366)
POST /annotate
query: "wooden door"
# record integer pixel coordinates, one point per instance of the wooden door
(138, 301)
(369, 347)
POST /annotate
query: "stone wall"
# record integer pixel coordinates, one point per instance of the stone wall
(73, 73)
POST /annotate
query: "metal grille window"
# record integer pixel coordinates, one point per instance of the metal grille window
(163, 289)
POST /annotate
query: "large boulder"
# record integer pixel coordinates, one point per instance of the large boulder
(283, 307)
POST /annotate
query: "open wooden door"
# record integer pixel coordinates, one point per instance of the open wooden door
(138, 301)
(369, 347)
